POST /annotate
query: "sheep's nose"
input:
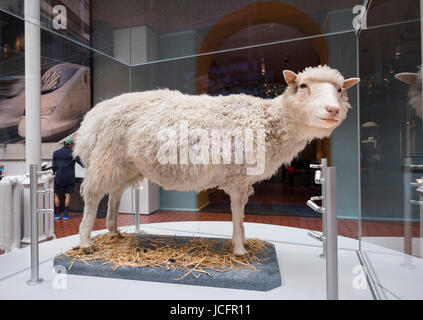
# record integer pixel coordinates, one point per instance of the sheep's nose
(332, 110)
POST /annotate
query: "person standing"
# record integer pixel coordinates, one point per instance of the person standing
(63, 167)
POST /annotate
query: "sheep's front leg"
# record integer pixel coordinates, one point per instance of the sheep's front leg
(112, 211)
(238, 201)
(87, 223)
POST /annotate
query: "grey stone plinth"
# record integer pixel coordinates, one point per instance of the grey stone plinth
(265, 277)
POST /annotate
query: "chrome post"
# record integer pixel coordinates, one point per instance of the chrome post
(331, 234)
(319, 178)
(324, 204)
(329, 237)
(44, 211)
(419, 188)
(421, 223)
(137, 208)
(408, 236)
(132, 206)
(33, 205)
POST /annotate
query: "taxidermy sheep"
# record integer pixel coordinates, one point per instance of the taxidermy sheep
(193, 143)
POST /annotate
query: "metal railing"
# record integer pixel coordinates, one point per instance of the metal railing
(135, 195)
(35, 211)
(137, 209)
(326, 176)
(409, 170)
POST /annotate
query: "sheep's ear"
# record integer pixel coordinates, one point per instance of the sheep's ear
(407, 77)
(289, 76)
(348, 83)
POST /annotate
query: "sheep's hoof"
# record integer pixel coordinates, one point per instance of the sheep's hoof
(88, 250)
(85, 245)
(116, 234)
(240, 251)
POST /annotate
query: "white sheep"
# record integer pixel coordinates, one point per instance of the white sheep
(121, 141)
(414, 80)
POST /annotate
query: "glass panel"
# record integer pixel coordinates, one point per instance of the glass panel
(12, 67)
(188, 27)
(73, 79)
(15, 7)
(391, 145)
(257, 71)
(69, 18)
(66, 82)
(382, 12)
(104, 48)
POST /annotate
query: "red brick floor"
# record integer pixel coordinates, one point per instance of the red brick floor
(265, 193)
(346, 228)
(268, 193)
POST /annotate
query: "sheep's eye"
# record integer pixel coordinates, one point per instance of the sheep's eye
(303, 86)
(340, 90)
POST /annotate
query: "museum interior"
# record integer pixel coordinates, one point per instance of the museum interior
(72, 55)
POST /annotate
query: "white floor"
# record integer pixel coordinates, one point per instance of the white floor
(400, 275)
(302, 270)
(397, 244)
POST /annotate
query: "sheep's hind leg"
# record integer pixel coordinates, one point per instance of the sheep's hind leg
(112, 211)
(87, 223)
(114, 202)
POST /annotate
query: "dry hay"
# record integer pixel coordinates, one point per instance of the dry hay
(195, 256)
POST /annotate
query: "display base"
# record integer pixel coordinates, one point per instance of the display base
(265, 277)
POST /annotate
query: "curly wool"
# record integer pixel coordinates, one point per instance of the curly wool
(119, 143)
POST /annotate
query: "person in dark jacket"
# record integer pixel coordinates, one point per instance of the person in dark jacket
(63, 167)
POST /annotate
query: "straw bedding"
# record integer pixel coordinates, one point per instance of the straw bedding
(195, 256)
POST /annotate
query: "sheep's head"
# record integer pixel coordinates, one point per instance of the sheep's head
(318, 96)
(414, 80)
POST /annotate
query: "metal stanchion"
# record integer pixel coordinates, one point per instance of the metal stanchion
(324, 200)
(420, 191)
(319, 179)
(137, 208)
(408, 170)
(407, 178)
(419, 188)
(327, 178)
(35, 279)
(45, 212)
(331, 242)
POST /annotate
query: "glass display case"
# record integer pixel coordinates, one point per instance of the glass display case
(98, 49)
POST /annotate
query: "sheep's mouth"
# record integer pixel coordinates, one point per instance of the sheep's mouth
(333, 121)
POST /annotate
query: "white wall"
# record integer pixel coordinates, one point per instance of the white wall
(136, 45)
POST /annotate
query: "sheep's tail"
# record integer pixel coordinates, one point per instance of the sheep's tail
(81, 148)
(85, 138)
(85, 191)
(84, 144)
(92, 149)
